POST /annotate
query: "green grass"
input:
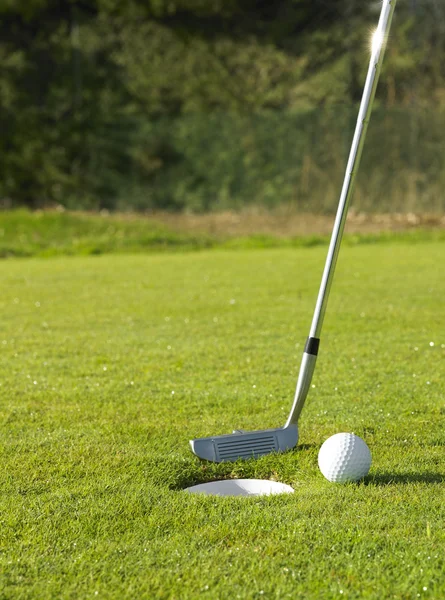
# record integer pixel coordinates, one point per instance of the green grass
(110, 364)
(50, 233)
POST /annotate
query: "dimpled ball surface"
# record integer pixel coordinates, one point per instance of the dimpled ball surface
(344, 457)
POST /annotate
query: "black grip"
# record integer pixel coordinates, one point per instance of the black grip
(312, 345)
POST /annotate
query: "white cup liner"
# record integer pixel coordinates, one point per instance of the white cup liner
(241, 487)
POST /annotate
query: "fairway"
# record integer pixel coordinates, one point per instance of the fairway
(110, 364)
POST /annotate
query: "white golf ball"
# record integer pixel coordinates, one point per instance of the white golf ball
(344, 457)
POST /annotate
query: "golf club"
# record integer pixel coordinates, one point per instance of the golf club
(240, 444)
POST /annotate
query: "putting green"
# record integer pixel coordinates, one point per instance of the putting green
(110, 364)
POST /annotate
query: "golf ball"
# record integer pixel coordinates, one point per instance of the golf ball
(344, 457)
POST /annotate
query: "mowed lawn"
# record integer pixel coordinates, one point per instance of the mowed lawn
(110, 364)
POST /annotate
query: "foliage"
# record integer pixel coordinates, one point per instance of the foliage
(85, 84)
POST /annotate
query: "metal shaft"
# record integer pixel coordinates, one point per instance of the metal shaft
(309, 356)
(375, 65)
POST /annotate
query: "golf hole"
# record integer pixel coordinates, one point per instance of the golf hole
(241, 487)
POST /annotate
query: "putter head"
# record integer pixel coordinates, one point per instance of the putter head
(233, 446)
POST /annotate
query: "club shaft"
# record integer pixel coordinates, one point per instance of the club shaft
(375, 65)
(310, 354)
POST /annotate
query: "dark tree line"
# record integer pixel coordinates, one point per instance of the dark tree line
(90, 90)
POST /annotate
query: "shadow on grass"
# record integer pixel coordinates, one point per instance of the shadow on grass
(404, 478)
(193, 471)
(306, 447)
